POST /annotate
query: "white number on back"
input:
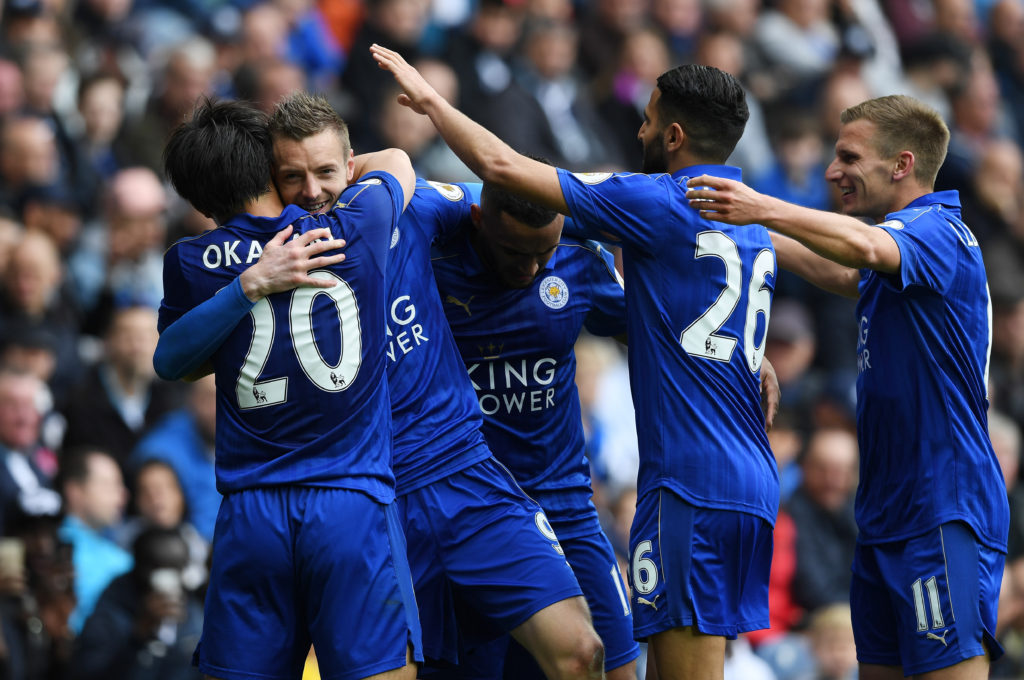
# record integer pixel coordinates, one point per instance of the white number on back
(253, 393)
(701, 337)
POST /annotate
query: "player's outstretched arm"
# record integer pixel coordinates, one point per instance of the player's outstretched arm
(825, 274)
(491, 159)
(392, 161)
(186, 345)
(842, 239)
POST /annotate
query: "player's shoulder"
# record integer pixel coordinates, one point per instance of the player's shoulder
(429, 190)
(587, 254)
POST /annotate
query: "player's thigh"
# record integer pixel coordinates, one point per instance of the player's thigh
(500, 553)
(406, 672)
(593, 561)
(700, 567)
(687, 654)
(927, 603)
(355, 585)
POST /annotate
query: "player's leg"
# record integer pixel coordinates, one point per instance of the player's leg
(593, 561)
(698, 576)
(927, 606)
(505, 562)
(354, 583)
(688, 653)
(253, 624)
(563, 641)
(406, 672)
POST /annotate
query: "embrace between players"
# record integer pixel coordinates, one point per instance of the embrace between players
(342, 488)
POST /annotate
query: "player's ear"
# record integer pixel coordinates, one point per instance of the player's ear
(904, 165)
(674, 137)
(476, 216)
(350, 166)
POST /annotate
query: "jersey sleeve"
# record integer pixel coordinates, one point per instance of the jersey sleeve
(190, 340)
(440, 209)
(607, 315)
(627, 207)
(376, 202)
(175, 301)
(928, 252)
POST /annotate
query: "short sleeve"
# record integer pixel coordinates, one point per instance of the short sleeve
(928, 252)
(440, 209)
(175, 301)
(607, 315)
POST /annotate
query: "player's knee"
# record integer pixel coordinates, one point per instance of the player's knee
(586, 659)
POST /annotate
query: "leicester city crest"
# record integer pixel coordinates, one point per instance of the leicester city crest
(394, 238)
(553, 292)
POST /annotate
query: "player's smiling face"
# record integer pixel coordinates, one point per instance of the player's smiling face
(312, 172)
(511, 250)
(863, 177)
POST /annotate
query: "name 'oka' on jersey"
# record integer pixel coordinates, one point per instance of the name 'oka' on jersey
(517, 345)
(301, 388)
(698, 295)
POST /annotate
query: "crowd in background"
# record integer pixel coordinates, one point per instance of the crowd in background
(107, 495)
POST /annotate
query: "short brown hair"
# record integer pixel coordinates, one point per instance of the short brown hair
(301, 115)
(905, 124)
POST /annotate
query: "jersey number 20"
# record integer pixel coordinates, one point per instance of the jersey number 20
(253, 393)
(701, 337)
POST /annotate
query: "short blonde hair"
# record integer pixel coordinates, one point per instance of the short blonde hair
(301, 115)
(905, 124)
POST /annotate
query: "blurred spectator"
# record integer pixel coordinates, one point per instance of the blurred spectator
(993, 204)
(934, 65)
(101, 102)
(775, 643)
(556, 118)
(36, 612)
(120, 261)
(28, 156)
(121, 397)
(10, 234)
(822, 511)
(94, 502)
(786, 443)
(1006, 442)
(267, 81)
(310, 44)
(481, 56)
(800, 43)
(1006, 370)
(160, 502)
(402, 128)
(753, 153)
(1006, 48)
(681, 21)
(790, 345)
(12, 92)
(146, 624)
(798, 174)
(831, 636)
(625, 92)
(742, 664)
(400, 24)
(185, 440)
(33, 294)
(187, 73)
(27, 469)
(30, 347)
(603, 28)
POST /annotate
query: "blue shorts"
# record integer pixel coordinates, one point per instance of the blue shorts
(477, 540)
(699, 567)
(293, 566)
(594, 564)
(927, 602)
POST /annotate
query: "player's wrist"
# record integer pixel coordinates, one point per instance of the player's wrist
(253, 286)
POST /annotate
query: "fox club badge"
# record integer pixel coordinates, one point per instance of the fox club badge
(553, 292)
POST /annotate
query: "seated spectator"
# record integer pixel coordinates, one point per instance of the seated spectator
(831, 636)
(798, 173)
(121, 398)
(822, 511)
(38, 582)
(185, 441)
(23, 483)
(160, 502)
(146, 624)
(94, 502)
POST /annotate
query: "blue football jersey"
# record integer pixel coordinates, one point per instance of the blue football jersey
(923, 352)
(517, 345)
(302, 395)
(698, 295)
(436, 420)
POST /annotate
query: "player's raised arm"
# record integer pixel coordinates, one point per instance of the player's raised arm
(840, 238)
(483, 152)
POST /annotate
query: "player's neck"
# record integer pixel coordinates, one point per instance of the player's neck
(267, 205)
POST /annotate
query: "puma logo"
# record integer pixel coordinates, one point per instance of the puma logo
(459, 303)
(649, 603)
(942, 639)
